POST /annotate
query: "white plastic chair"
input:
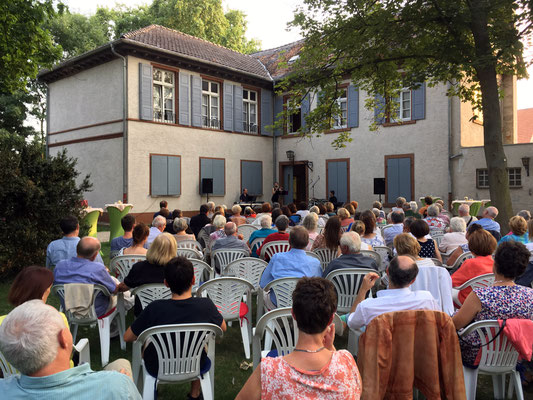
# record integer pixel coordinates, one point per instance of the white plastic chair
(246, 230)
(437, 237)
(325, 256)
(460, 260)
(248, 268)
(203, 236)
(373, 254)
(227, 295)
(437, 262)
(282, 288)
(179, 349)
(202, 273)
(222, 257)
(190, 244)
(313, 254)
(104, 322)
(151, 291)
(271, 248)
(250, 220)
(189, 253)
(256, 243)
(498, 358)
(386, 254)
(477, 282)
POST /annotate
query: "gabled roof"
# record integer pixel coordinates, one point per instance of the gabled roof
(187, 45)
(277, 60)
(525, 126)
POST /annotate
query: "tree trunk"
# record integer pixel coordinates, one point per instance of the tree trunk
(500, 195)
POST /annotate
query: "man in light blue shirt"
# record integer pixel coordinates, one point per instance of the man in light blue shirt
(487, 222)
(293, 263)
(43, 359)
(65, 248)
(158, 226)
(390, 233)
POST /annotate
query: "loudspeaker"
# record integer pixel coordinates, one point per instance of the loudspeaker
(207, 185)
(379, 185)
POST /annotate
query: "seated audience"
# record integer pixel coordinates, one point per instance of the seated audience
(65, 248)
(285, 210)
(379, 206)
(236, 217)
(428, 248)
(400, 201)
(378, 214)
(330, 209)
(249, 213)
(503, 300)
(481, 244)
(411, 211)
(350, 208)
(529, 244)
(211, 209)
(396, 218)
(151, 270)
(199, 221)
(402, 272)
(518, 226)
(464, 213)
(302, 210)
(218, 224)
(334, 374)
(406, 245)
(433, 220)
(429, 201)
(84, 269)
(464, 247)
(230, 241)
(180, 227)
(345, 217)
(182, 308)
(139, 239)
(354, 204)
(487, 222)
(266, 229)
(36, 341)
(163, 208)
(330, 236)
(118, 243)
(293, 263)
(351, 257)
(443, 214)
(282, 223)
(310, 223)
(322, 218)
(359, 227)
(158, 226)
(371, 235)
(170, 222)
(455, 237)
(294, 217)
(524, 214)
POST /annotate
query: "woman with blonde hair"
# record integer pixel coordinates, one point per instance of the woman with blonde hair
(163, 249)
(346, 219)
(406, 245)
(310, 223)
(518, 226)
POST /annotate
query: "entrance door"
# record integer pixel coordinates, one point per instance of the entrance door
(399, 175)
(338, 173)
(287, 183)
(294, 181)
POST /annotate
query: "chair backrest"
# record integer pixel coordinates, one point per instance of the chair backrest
(203, 237)
(178, 359)
(189, 253)
(113, 254)
(150, 292)
(437, 237)
(190, 244)
(256, 243)
(248, 268)
(347, 282)
(385, 227)
(91, 317)
(437, 262)
(461, 259)
(386, 254)
(436, 232)
(499, 355)
(226, 293)
(373, 254)
(188, 219)
(480, 281)
(6, 368)
(271, 248)
(313, 254)
(246, 230)
(325, 256)
(250, 220)
(202, 272)
(222, 257)
(120, 266)
(283, 288)
(345, 228)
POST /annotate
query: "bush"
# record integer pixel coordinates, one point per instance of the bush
(35, 193)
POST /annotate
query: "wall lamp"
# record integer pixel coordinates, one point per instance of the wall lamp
(290, 156)
(525, 163)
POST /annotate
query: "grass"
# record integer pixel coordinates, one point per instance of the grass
(229, 378)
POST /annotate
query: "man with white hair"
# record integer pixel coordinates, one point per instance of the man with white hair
(158, 226)
(464, 213)
(266, 229)
(351, 257)
(230, 241)
(487, 222)
(455, 237)
(35, 340)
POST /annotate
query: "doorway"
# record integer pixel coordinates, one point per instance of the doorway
(294, 179)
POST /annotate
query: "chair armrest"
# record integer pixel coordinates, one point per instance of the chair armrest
(83, 348)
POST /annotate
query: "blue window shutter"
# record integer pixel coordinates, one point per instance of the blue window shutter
(174, 176)
(332, 172)
(206, 170)
(379, 115)
(228, 107)
(237, 115)
(184, 99)
(266, 111)
(159, 175)
(353, 106)
(196, 100)
(278, 107)
(146, 96)
(305, 108)
(393, 180)
(419, 102)
(252, 177)
(218, 178)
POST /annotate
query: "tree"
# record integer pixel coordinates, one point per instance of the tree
(389, 44)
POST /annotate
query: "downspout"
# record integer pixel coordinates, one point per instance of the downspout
(450, 150)
(124, 125)
(46, 142)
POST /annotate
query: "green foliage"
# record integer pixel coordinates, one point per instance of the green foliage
(35, 193)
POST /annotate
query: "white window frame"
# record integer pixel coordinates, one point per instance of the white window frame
(208, 119)
(399, 103)
(341, 122)
(514, 174)
(161, 111)
(249, 123)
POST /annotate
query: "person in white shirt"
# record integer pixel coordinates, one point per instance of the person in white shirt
(456, 236)
(158, 226)
(402, 272)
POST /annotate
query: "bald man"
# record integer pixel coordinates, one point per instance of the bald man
(487, 222)
(84, 269)
(402, 272)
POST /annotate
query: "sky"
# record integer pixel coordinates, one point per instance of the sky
(267, 22)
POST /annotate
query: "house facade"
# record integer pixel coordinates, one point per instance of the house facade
(154, 114)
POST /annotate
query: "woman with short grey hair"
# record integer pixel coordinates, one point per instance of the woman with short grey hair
(180, 226)
(310, 223)
(433, 220)
(456, 236)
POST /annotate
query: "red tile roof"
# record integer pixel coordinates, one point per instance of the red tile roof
(276, 60)
(525, 126)
(187, 45)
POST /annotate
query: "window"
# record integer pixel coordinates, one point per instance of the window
(252, 177)
(514, 174)
(163, 83)
(214, 168)
(294, 120)
(402, 106)
(249, 111)
(165, 175)
(210, 104)
(341, 121)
